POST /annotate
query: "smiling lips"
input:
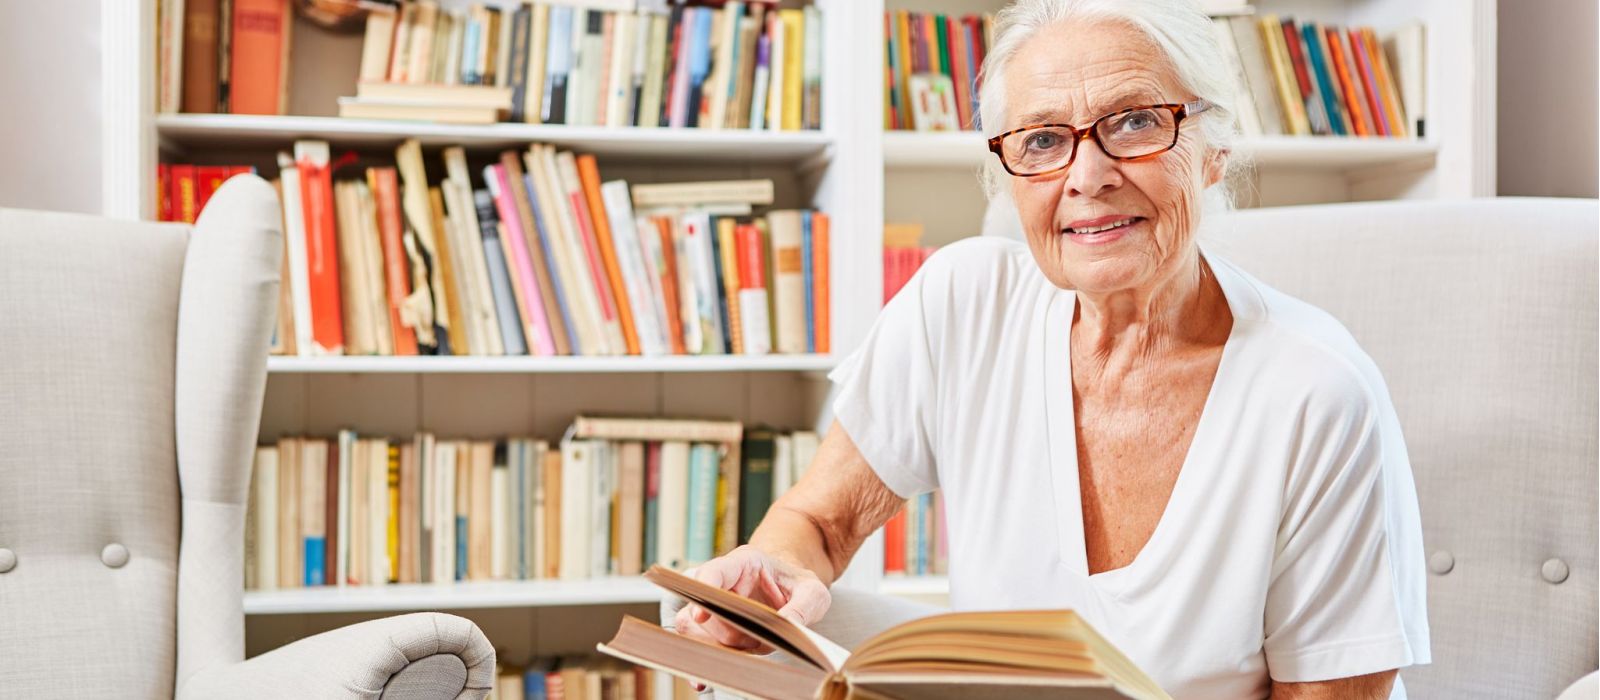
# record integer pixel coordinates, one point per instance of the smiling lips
(1101, 224)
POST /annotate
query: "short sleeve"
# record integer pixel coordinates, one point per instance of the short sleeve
(1338, 603)
(887, 391)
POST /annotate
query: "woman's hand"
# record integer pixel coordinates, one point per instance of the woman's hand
(796, 592)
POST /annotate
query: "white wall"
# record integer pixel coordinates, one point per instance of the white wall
(1548, 65)
(50, 105)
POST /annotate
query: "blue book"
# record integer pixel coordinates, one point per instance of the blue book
(550, 263)
(1319, 72)
(533, 687)
(805, 272)
(505, 304)
(702, 502)
(461, 546)
(316, 552)
(469, 47)
(699, 61)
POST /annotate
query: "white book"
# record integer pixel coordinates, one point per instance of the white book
(754, 324)
(444, 506)
(697, 232)
(651, 94)
(170, 96)
(540, 500)
(1243, 101)
(602, 559)
(788, 281)
(625, 240)
(360, 521)
(428, 521)
(688, 302)
(654, 259)
(576, 491)
(538, 50)
(782, 465)
(347, 443)
(372, 264)
(499, 528)
(452, 61)
(457, 191)
(294, 231)
(376, 45)
(723, 70)
(266, 517)
(805, 450)
(672, 505)
(567, 170)
(619, 83)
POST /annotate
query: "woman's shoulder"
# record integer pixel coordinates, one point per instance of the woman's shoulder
(1311, 351)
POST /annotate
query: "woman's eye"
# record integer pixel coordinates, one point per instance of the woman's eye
(1137, 121)
(1042, 141)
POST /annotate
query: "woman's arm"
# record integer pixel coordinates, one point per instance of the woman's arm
(1373, 686)
(802, 544)
(821, 522)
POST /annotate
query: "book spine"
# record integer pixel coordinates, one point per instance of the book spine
(702, 497)
(200, 55)
(397, 277)
(822, 265)
(752, 291)
(808, 281)
(527, 225)
(521, 22)
(755, 484)
(260, 30)
(567, 338)
(316, 195)
(589, 177)
(536, 327)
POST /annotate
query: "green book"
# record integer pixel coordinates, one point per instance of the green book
(703, 460)
(755, 483)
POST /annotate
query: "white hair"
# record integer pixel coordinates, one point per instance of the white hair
(1179, 29)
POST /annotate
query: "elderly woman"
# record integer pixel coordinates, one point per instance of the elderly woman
(1121, 421)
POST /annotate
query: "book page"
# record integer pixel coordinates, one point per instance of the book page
(750, 617)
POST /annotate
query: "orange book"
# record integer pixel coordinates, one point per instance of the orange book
(1360, 118)
(669, 283)
(820, 263)
(163, 192)
(211, 177)
(589, 175)
(322, 261)
(385, 185)
(1386, 86)
(200, 56)
(258, 75)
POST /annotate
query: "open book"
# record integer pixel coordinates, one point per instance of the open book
(1014, 654)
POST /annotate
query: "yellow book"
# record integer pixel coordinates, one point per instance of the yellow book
(394, 513)
(793, 69)
(730, 280)
(1288, 90)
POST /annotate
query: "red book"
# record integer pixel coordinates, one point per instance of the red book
(163, 192)
(1369, 85)
(894, 544)
(258, 75)
(331, 512)
(956, 39)
(322, 252)
(1297, 56)
(211, 177)
(820, 262)
(385, 185)
(185, 193)
(597, 270)
(669, 283)
(751, 266)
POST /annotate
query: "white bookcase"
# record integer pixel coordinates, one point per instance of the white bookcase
(851, 169)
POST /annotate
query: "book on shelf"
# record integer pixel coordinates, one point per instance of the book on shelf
(591, 677)
(611, 497)
(535, 254)
(1017, 653)
(182, 189)
(732, 65)
(931, 76)
(903, 255)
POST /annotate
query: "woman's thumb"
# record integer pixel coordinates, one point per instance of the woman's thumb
(808, 602)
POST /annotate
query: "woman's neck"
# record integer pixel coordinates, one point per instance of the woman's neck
(1180, 310)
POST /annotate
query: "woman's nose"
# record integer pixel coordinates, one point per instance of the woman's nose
(1092, 172)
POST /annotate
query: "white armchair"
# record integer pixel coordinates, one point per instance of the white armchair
(132, 367)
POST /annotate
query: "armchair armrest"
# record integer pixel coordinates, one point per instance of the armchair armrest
(420, 655)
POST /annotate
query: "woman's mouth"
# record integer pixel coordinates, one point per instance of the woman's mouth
(1100, 231)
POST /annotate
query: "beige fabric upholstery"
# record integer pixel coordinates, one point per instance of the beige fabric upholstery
(132, 368)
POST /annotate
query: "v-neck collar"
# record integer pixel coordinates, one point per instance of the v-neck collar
(1056, 355)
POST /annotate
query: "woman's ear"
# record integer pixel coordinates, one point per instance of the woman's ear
(1215, 165)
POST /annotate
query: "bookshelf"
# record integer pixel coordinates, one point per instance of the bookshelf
(850, 168)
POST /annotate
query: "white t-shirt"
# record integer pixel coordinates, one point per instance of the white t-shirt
(1291, 546)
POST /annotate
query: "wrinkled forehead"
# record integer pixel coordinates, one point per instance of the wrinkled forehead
(1074, 71)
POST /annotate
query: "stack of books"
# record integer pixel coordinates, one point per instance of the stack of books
(585, 678)
(451, 104)
(532, 254)
(612, 497)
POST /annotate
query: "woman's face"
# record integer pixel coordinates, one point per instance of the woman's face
(1073, 73)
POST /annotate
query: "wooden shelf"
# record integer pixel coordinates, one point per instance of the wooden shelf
(547, 365)
(451, 596)
(235, 131)
(1324, 153)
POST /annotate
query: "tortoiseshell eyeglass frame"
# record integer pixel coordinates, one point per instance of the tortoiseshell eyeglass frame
(1080, 134)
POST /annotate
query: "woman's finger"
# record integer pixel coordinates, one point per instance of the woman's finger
(808, 601)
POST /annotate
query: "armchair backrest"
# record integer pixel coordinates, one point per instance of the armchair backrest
(132, 368)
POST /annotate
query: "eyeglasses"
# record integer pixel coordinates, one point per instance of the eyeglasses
(1134, 133)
